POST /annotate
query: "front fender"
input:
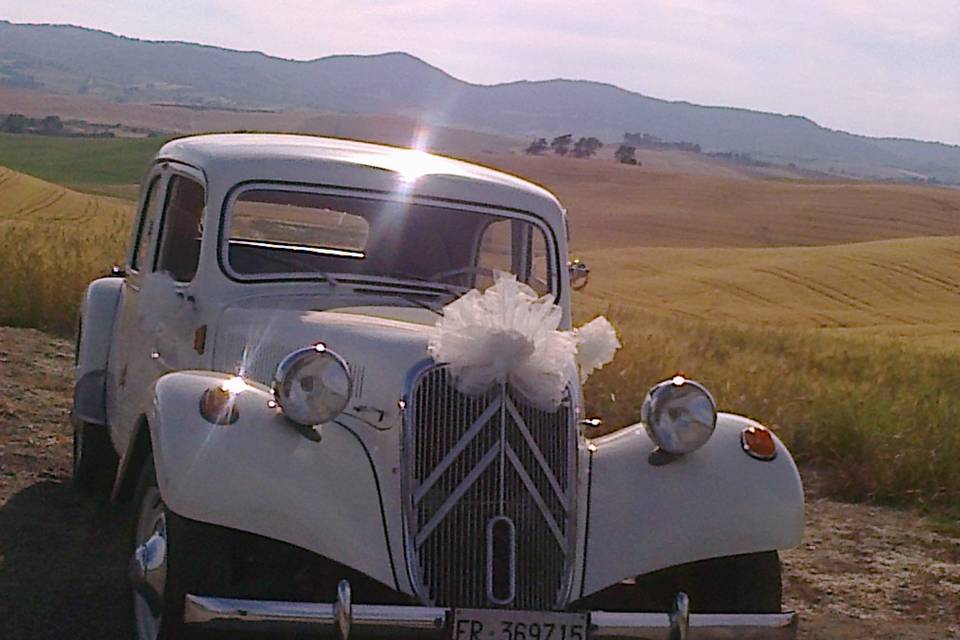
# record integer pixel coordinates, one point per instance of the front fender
(95, 333)
(714, 502)
(260, 475)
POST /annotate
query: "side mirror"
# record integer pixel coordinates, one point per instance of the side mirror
(579, 275)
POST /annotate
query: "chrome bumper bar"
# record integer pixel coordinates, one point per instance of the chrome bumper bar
(385, 621)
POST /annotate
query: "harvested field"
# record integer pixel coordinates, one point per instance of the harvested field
(618, 206)
(906, 288)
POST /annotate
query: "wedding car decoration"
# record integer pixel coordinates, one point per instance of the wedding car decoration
(306, 448)
(509, 335)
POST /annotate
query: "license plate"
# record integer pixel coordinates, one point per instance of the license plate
(501, 624)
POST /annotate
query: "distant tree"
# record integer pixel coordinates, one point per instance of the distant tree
(537, 147)
(50, 126)
(586, 147)
(649, 141)
(626, 154)
(16, 123)
(561, 144)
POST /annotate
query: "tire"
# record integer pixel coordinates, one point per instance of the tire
(94, 459)
(197, 562)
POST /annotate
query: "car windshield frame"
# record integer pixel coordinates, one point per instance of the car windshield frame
(395, 281)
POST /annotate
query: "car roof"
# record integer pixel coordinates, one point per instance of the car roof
(243, 155)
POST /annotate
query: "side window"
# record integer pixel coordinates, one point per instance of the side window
(147, 228)
(516, 247)
(180, 235)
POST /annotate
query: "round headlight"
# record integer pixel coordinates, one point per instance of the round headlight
(679, 415)
(312, 385)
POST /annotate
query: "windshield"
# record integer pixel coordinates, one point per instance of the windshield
(278, 232)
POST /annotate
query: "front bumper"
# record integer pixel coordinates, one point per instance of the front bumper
(341, 620)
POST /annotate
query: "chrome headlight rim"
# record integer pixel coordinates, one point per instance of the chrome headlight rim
(290, 364)
(658, 433)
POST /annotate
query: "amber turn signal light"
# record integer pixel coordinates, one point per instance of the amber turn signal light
(758, 442)
(218, 404)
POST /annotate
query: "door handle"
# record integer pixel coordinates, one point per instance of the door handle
(188, 297)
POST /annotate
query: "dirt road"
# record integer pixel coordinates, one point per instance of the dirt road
(862, 571)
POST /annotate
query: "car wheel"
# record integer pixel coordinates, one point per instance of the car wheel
(172, 556)
(94, 460)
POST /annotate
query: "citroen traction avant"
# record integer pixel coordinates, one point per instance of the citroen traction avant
(255, 381)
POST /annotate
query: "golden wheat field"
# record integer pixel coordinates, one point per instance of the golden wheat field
(828, 310)
(53, 241)
(616, 206)
(902, 288)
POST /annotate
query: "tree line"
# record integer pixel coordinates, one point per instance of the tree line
(19, 123)
(584, 147)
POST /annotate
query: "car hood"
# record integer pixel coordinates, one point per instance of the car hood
(380, 345)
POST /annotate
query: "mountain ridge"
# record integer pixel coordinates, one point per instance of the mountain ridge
(81, 60)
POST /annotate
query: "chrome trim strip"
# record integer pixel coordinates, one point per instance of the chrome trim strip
(718, 626)
(455, 452)
(537, 498)
(537, 453)
(454, 497)
(386, 621)
(325, 251)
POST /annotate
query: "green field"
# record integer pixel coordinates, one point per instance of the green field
(94, 163)
(849, 349)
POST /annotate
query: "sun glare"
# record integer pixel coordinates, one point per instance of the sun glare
(234, 385)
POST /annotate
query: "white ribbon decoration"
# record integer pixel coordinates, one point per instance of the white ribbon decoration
(507, 334)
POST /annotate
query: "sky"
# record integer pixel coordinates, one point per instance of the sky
(877, 67)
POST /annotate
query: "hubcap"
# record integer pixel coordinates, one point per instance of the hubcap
(148, 566)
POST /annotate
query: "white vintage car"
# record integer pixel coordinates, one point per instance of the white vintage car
(258, 382)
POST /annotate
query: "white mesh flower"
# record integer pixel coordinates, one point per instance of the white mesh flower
(507, 334)
(597, 343)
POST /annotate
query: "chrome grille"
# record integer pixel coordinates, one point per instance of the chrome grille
(475, 462)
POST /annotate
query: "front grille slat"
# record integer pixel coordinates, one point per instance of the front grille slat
(529, 460)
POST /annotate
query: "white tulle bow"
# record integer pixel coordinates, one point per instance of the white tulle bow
(507, 334)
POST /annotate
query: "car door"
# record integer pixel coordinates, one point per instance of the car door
(126, 352)
(171, 306)
(159, 311)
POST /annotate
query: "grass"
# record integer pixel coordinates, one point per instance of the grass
(880, 419)
(79, 161)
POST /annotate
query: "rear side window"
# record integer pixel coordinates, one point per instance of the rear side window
(181, 229)
(147, 229)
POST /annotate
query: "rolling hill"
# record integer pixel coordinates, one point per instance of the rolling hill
(908, 287)
(53, 241)
(73, 60)
(612, 205)
(25, 200)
